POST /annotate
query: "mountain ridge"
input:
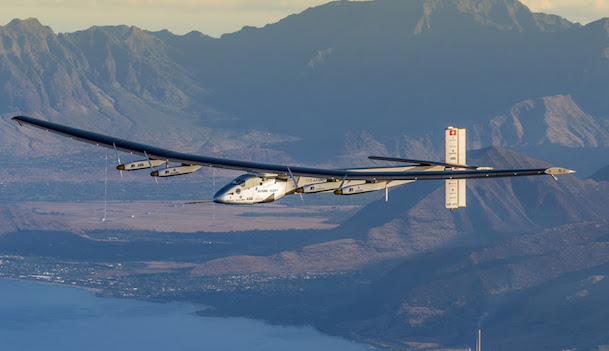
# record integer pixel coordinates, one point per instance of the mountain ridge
(557, 120)
(474, 9)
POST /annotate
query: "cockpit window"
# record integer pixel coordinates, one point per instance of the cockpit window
(241, 180)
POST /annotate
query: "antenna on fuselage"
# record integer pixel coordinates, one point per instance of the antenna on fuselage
(386, 194)
(106, 190)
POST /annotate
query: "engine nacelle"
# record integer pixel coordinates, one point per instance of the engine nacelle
(318, 187)
(360, 188)
(175, 171)
(134, 166)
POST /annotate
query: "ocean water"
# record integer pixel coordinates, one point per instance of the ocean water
(46, 317)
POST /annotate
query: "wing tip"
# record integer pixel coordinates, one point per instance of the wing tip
(18, 120)
(558, 171)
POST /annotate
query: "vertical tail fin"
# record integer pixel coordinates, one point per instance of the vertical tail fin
(454, 153)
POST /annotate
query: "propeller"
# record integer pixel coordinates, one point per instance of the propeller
(156, 179)
(118, 158)
(339, 191)
(295, 184)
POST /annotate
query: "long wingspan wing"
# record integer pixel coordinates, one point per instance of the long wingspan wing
(281, 170)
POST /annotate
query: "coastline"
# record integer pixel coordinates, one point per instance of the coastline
(96, 291)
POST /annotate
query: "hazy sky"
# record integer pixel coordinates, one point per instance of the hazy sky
(215, 17)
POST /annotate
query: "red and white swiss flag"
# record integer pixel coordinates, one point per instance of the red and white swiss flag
(453, 132)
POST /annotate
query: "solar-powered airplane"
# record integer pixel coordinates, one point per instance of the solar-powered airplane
(267, 182)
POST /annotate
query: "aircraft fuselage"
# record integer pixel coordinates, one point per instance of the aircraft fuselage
(249, 189)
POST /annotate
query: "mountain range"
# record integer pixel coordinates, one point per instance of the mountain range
(394, 69)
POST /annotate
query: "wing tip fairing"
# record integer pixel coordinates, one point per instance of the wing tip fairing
(558, 170)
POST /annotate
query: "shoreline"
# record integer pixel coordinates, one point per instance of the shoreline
(96, 291)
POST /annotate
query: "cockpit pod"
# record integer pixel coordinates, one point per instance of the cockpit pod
(250, 189)
(236, 191)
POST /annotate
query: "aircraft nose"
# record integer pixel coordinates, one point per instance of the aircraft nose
(220, 197)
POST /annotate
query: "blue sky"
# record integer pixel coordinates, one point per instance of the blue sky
(215, 17)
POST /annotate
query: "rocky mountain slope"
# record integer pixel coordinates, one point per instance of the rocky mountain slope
(540, 291)
(116, 80)
(553, 128)
(556, 120)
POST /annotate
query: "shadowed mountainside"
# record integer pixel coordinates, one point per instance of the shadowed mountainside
(602, 175)
(542, 290)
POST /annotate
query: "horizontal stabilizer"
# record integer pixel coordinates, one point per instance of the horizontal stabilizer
(426, 163)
